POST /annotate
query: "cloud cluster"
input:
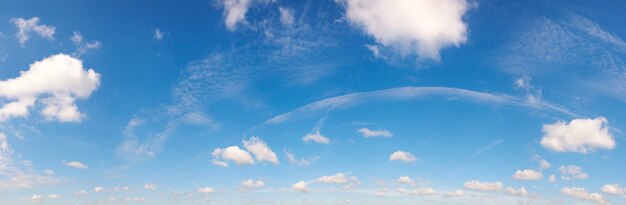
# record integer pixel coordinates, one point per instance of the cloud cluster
(579, 135)
(581, 193)
(484, 186)
(411, 27)
(572, 172)
(251, 184)
(254, 145)
(56, 82)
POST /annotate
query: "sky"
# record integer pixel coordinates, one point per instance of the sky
(312, 102)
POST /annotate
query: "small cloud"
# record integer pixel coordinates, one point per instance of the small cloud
(98, 189)
(403, 156)
(405, 180)
(205, 190)
(300, 186)
(151, 187)
(26, 27)
(367, 133)
(483, 186)
(286, 16)
(299, 162)
(158, 34)
(581, 193)
(315, 137)
(572, 172)
(579, 135)
(260, 150)
(76, 165)
(80, 193)
(251, 184)
(232, 153)
(527, 174)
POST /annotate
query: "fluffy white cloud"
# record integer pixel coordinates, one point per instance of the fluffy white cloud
(527, 174)
(235, 12)
(421, 27)
(251, 184)
(98, 189)
(581, 193)
(206, 190)
(151, 187)
(405, 180)
(419, 191)
(579, 135)
(76, 165)
(260, 150)
(80, 193)
(520, 192)
(484, 186)
(340, 178)
(286, 16)
(56, 81)
(25, 27)
(36, 198)
(456, 193)
(572, 172)
(315, 137)
(367, 133)
(613, 189)
(402, 156)
(232, 153)
(300, 186)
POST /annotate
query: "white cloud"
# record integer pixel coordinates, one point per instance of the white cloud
(543, 164)
(151, 187)
(251, 184)
(80, 193)
(456, 193)
(340, 178)
(411, 27)
(520, 192)
(613, 189)
(552, 178)
(572, 172)
(286, 16)
(300, 186)
(36, 198)
(402, 156)
(158, 34)
(419, 191)
(316, 137)
(98, 189)
(232, 153)
(235, 12)
(54, 196)
(56, 81)
(579, 135)
(581, 193)
(405, 180)
(299, 162)
(527, 174)
(83, 46)
(25, 27)
(260, 150)
(205, 190)
(484, 186)
(367, 133)
(76, 165)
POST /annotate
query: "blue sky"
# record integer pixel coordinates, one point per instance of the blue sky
(312, 102)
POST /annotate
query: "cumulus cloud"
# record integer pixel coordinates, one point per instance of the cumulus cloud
(206, 190)
(527, 174)
(581, 193)
(26, 27)
(260, 150)
(418, 191)
(572, 172)
(235, 12)
(300, 186)
(613, 189)
(347, 181)
(579, 135)
(483, 186)
(411, 27)
(151, 187)
(405, 180)
(519, 192)
(98, 189)
(367, 133)
(76, 165)
(56, 82)
(403, 156)
(232, 153)
(251, 184)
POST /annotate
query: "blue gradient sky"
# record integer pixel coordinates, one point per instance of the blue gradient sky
(469, 101)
